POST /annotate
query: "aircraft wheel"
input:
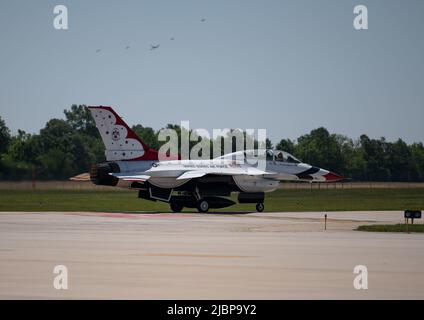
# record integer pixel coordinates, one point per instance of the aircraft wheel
(203, 206)
(176, 207)
(260, 207)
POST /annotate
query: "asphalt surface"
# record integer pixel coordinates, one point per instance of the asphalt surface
(207, 256)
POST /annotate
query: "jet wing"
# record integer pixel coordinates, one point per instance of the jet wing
(255, 172)
(191, 174)
(231, 172)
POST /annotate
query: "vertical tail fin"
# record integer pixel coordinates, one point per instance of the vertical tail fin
(120, 141)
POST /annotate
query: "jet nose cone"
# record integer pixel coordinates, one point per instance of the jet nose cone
(331, 176)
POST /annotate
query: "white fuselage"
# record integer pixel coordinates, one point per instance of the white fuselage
(164, 174)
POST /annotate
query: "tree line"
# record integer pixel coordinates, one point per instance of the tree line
(67, 147)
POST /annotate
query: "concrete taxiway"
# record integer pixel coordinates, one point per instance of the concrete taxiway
(207, 256)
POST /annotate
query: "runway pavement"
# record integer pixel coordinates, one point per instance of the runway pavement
(207, 256)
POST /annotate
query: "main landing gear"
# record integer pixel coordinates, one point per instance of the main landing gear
(203, 205)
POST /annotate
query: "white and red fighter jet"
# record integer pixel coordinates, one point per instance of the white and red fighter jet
(201, 184)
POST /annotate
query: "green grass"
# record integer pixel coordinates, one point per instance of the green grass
(392, 228)
(281, 200)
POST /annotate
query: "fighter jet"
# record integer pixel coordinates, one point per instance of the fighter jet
(153, 47)
(201, 184)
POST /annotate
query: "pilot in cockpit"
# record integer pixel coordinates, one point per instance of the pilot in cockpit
(279, 157)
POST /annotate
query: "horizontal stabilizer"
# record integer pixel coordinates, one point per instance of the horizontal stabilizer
(81, 177)
(137, 177)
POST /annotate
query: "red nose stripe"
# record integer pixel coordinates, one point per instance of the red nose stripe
(331, 176)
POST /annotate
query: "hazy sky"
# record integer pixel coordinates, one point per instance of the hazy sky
(287, 66)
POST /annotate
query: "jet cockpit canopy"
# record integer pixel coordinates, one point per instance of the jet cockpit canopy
(271, 155)
(281, 156)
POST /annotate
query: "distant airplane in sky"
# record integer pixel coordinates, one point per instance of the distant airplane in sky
(154, 47)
